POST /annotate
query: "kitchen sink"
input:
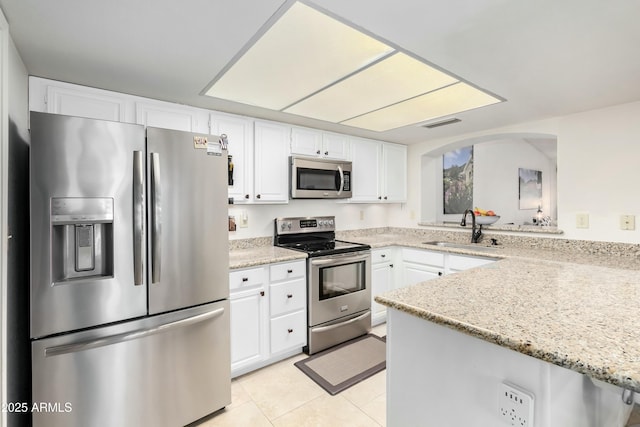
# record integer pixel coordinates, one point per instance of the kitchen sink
(470, 246)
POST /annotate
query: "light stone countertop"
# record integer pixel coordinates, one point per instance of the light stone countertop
(571, 303)
(253, 256)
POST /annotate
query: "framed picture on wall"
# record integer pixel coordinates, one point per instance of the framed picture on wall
(457, 176)
(530, 185)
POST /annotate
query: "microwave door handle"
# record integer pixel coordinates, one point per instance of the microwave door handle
(341, 180)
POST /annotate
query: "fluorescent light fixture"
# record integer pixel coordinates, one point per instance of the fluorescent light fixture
(387, 82)
(308, 63)
(443, 102)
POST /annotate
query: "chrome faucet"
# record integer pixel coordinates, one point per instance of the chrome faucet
(475, 234)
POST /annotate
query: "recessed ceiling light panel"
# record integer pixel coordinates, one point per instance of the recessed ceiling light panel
(450, 100)
(305, 50)
(394, 79)
(308, 63)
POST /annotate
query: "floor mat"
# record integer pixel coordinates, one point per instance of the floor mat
(344, 365)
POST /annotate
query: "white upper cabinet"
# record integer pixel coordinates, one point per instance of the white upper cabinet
(365, 173)
(335, 145)
(271, 162)
(239, 131)
(306, 142)
(50, 96)
(315, 143)
(379, 171)
(172, 116)
(72, 102)
(394, 172)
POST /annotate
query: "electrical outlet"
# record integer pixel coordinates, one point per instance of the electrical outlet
(627, 222)
(582, 220)
(515, 405)
(361, 215)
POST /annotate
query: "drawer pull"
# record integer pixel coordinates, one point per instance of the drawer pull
(261, 293)
(383, 256)
(289, 295)
(289, 271)
(245, 279)
(439, 273)
(290, 330)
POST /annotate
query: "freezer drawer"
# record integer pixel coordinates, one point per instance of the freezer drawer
(168, 370)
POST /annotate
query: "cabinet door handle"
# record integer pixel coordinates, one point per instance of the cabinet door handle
(258, 196)
(383, 256)
(385, 197)
(289, 295)
(261, 293)
(290, 330)
(379, 198)
(326, 153)
(245, 279)
(391, 265)
(439, 273)
(246, 196)
(289, 271)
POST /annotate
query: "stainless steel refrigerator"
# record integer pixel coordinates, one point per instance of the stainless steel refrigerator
(129, 274)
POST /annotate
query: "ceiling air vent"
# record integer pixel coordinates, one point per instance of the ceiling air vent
(441, 123)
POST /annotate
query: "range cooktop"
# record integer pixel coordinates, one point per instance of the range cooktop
(313, 235)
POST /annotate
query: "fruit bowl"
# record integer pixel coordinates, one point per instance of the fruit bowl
(486, 220)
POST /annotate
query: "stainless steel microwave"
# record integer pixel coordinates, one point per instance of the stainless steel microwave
(313, 178)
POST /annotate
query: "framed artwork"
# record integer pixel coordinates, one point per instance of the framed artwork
(457, 177)
(530, 185)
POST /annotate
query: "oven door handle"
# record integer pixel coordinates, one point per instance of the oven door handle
(341, 324)
(339, 259)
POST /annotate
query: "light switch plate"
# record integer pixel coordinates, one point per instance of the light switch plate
(582, 220)
(627, 222)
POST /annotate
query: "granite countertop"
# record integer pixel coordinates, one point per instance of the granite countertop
(571, 303)
(574, 310)
(253, 256)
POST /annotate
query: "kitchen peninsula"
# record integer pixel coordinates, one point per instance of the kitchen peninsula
(559, 324)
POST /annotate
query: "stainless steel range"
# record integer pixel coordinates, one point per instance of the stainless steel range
(338, 280)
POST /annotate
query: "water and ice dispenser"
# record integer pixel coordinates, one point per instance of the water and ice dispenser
(82, 238)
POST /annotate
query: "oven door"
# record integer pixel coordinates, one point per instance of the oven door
(320, 179)
(340, 286)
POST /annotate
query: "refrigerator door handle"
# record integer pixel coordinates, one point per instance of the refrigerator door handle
(132, 335)
(138, 218)
(156, 219)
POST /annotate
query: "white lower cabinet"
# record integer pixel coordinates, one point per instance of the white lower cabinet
(268, 314)
(382, 280)
(416, 273)
(288, 306)
(288, 331)
(460, 262)
(420, 265)
(249, 319)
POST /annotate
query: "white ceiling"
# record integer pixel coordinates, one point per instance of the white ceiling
(545, 57)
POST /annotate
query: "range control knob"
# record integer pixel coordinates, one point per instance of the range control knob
(285, 225)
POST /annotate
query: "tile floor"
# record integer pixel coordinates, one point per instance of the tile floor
(281, 395)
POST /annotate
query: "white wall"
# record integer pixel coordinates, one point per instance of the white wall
(348, 216)
(597, 156)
